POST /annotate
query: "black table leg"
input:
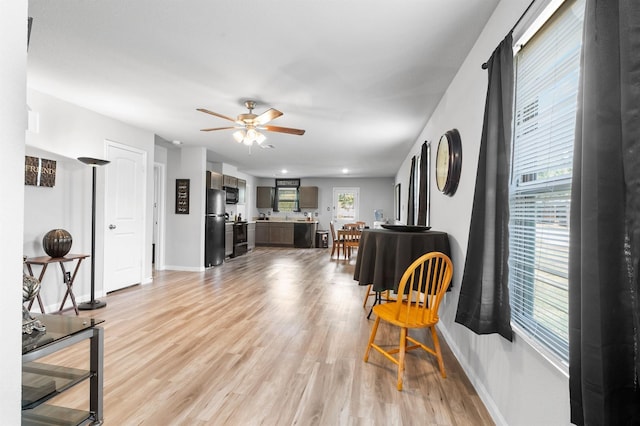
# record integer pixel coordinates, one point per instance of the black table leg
(378, 299)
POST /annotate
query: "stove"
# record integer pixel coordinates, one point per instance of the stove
(239, 239)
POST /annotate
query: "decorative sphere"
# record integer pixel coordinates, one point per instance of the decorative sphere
(57, 242)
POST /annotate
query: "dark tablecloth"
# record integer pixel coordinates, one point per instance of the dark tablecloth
(384, 255)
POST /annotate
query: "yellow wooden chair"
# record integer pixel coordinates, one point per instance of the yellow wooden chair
(423, 285)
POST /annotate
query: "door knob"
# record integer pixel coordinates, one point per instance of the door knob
(112, 227)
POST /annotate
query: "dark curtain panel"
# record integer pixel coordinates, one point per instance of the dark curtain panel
(605, 221)
(411, 203)
(483, 306)
(424, 174)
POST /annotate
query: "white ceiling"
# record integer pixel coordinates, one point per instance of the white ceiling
(360, 76)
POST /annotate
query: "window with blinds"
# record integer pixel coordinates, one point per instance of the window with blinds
(547, 75)
(287, 200)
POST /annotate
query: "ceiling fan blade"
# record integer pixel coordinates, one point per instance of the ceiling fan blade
(284, 130)
(267, 116)
(217, 128)
(206, 111)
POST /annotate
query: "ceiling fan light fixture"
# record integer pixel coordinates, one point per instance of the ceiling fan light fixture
(247, 124)
(252, 134)
(239, 136)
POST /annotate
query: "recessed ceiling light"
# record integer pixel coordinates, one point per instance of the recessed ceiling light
(284, 171)
(345, 171)
(176, 142)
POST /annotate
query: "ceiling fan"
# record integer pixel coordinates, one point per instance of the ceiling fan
(249, 124)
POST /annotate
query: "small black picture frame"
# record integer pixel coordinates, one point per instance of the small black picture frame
(182, 196)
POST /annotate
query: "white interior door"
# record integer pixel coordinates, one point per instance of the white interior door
(158, 214)
(124, 216)
(346, 205)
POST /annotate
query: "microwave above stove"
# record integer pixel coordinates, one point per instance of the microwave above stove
(232, 195)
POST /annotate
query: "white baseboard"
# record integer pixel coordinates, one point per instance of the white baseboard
(184, 268)
(486, 398)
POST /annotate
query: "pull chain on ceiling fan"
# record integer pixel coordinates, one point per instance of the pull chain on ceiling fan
(250, 124)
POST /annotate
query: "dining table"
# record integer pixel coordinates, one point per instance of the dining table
(384, 254)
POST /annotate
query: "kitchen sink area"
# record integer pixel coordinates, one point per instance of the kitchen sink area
(285, 232)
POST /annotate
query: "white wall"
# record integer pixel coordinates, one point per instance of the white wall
(65, 132)
(185, 232)
(518, 386)
(64, 206)
(13, 122)
(375, 194)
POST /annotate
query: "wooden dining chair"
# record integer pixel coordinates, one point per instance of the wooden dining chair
(423, 285)
(351, 238)
(337, 242)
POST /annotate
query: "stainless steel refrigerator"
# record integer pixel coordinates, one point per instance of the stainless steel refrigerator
(214, 228)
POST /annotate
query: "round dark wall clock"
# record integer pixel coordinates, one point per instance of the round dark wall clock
(449, 162)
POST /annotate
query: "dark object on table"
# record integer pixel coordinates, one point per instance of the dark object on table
(57, 242)
(406, 228)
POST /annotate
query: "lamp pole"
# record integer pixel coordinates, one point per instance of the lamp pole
(93, 303)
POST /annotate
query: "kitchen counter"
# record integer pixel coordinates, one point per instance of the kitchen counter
(278, 219)
(286, 233)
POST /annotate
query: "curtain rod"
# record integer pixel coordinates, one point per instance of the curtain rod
(485, 65)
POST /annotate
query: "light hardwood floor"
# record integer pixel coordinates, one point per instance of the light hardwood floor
(275, 337)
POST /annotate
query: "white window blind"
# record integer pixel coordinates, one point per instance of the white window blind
(547, 75)
(287, 199)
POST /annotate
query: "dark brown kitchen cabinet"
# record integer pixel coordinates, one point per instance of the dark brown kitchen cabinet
(264, 197)
(308, 197)
(251, 235)
(262, 233)
(281, 234)
(214, 180)
(228, 239)
(230, 181)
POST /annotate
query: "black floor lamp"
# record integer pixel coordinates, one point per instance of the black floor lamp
(93, 303)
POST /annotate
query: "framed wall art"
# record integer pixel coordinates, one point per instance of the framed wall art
(182, 196)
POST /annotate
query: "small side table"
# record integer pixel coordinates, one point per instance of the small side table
(44, 261)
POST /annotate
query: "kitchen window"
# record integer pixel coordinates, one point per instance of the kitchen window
(287, 197)
(287, 200)
(547, 71)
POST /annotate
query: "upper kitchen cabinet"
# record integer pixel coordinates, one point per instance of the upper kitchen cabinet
(308, 197)
(242, 191)
(230, 181)
(214, 180)
(264, 197)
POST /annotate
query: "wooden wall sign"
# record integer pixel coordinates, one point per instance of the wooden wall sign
(182, 196)
(39, 171)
